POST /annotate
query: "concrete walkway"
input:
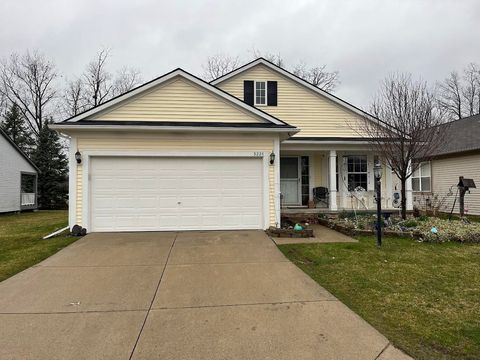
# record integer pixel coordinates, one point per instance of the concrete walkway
(190, 295)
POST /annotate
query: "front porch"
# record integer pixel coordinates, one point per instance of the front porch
(319, 176)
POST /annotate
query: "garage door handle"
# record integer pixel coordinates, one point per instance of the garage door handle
(179, 202)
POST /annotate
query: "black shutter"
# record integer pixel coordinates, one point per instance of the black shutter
(272, 93)
(248, 95)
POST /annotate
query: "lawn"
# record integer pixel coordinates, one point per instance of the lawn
(21, 244)
(424, 297)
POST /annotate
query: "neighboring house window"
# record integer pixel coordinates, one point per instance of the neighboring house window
(260, 92)
(357, 172)
(421, 177)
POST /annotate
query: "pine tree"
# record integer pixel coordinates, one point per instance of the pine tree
(52, 163)
(15, 127)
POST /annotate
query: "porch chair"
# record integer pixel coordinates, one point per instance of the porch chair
(321, 195)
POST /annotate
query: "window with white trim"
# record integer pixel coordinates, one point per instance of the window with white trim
(357, 175)
(260, 93)
(421, 177)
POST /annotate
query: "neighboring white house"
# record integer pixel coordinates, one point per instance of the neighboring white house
(178, 153)
(18, 178)
(435, 182)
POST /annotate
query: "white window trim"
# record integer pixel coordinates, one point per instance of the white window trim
(367, 172)
(419, 169)
(255, 92)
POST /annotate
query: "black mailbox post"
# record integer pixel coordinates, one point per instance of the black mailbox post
(463, 186)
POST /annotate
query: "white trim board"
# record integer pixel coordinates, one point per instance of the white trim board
(72, 183)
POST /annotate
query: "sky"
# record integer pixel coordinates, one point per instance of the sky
(364, 40)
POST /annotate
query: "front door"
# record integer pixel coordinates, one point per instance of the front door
(290, 180)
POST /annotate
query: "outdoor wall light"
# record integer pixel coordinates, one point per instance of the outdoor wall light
(78, 157)
(377, 170)
(272, 158)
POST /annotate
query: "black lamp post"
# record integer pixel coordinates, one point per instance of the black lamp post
(377, 172)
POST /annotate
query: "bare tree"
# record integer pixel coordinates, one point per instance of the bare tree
(471, 89)
(405, 127)
(74, 97)
(459, 95)
(318, 76)
(127, 78)
(28, 80)
(218, 65)
(97, 80)
(97, 85)
(276, 59)
(450, 95)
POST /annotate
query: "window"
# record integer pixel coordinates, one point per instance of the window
(357, 172)
(260, 92)
(305, 166)
(421, 177)
(27, 183)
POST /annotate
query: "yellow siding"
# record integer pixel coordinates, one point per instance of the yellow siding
(314, 114)
(181, 142)
(320, 170)
(445, 173)
(178, 100)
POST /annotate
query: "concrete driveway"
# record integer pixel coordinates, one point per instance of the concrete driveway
(188, 295)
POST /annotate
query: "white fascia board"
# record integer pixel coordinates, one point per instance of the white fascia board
(65, 128)
(332, 142)
(164, 78)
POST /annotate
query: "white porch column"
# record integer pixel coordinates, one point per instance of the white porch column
(332, 177)
(409, 193)
(388, 187)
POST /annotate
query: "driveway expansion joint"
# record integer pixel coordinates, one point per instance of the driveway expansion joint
(247, 304)
(382, 351)
(153, 298)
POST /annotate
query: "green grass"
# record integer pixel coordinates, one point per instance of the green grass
(21, 244)
(424, 297)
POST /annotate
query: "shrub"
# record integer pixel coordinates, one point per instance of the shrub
(410, 223)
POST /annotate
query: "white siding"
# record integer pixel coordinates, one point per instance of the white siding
(445, 173)
(12, 163)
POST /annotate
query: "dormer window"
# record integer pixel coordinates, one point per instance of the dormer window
(260, 92)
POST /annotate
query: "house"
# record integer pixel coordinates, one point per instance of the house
(18, 178)
(435, 182)
(178, 153)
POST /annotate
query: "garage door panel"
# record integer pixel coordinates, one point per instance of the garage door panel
(147, 194)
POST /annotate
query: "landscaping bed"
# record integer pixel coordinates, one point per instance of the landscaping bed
(292, 228)
(422, 228)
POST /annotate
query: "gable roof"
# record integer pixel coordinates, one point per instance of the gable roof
(296, 79)
(267, 118)
(461, 135)
(10, 141)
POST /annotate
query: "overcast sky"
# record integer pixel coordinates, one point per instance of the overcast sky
(364, 40)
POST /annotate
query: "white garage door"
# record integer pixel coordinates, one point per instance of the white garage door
(148, 194)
